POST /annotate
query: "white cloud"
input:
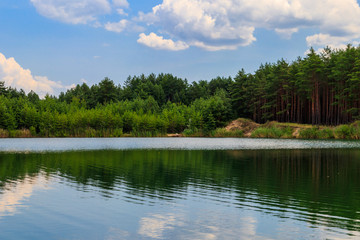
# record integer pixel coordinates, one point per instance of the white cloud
(123, 25)
(158, 42)
(17, 77)
(117, 26)
(286, 32)
(121, 12)
(70, 11)
(218, 24)
(228, 24)
(334, 42)
(326, 40)
(121, 3)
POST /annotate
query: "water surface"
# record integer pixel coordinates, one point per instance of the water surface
(67, 144)
(179, 194)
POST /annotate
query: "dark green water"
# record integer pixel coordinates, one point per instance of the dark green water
(181, 194)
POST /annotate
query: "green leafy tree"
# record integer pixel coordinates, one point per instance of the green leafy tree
(107, 91)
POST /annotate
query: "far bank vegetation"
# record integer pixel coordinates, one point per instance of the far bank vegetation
(314, 97)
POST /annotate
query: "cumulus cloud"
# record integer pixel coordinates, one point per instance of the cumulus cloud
(286, 32)
(117, 26)
(17, 77)
(328, 40)
(74, 12)
(121, 11)
(217, 24)
(228, 24)
(121, 3)
(158, 42)
(123, 25)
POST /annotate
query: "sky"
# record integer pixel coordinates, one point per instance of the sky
(50, 46)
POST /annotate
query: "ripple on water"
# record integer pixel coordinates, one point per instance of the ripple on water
(271, 194)
(68, 144)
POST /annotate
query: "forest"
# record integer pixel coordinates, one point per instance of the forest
(319, 89)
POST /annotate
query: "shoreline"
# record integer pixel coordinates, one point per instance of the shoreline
(239, 128)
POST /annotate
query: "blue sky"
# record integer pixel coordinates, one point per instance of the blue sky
(50, 45)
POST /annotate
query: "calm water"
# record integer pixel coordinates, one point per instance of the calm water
(179, 189)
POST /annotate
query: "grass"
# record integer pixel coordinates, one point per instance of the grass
(339, 132)
(326, 133)
(347, 132)
(22, 133)
(146, 134)
(272, 132)
(219, 133)
(222, 132)
(4, 133)
(193, 133)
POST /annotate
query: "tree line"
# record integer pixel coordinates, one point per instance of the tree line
(321, 88)
(105, 109)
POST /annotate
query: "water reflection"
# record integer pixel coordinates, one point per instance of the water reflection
(15, 194)
(154, 226)
(263, 194)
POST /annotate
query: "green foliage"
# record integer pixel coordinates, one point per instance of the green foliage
(310, 133)
(222, 132)
(317, 133)
(188, 132)
(326, 133)
(347, 132)
(32, 131)
(317, 89)
(272, 132)
(3, 89)
(71, 115)
(23, 133)
(4, 133)
(107, 91)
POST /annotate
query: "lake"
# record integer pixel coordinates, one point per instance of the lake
(179, 188)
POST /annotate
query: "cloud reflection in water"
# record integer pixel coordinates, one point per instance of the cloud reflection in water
(16, 193)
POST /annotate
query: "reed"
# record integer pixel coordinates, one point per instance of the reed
(22, 133)
(4, 133)
(272, 132)
(222, 132)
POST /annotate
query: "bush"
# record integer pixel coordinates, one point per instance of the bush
(347, 132)
(326, 133)
(90, 132)
(32, 131)
(260, 132)
(188, 132)
(272, 132)
(23, 133)
(145, 134)
(222, 132)
(4, 133)
(118, 132)
(309, 133)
